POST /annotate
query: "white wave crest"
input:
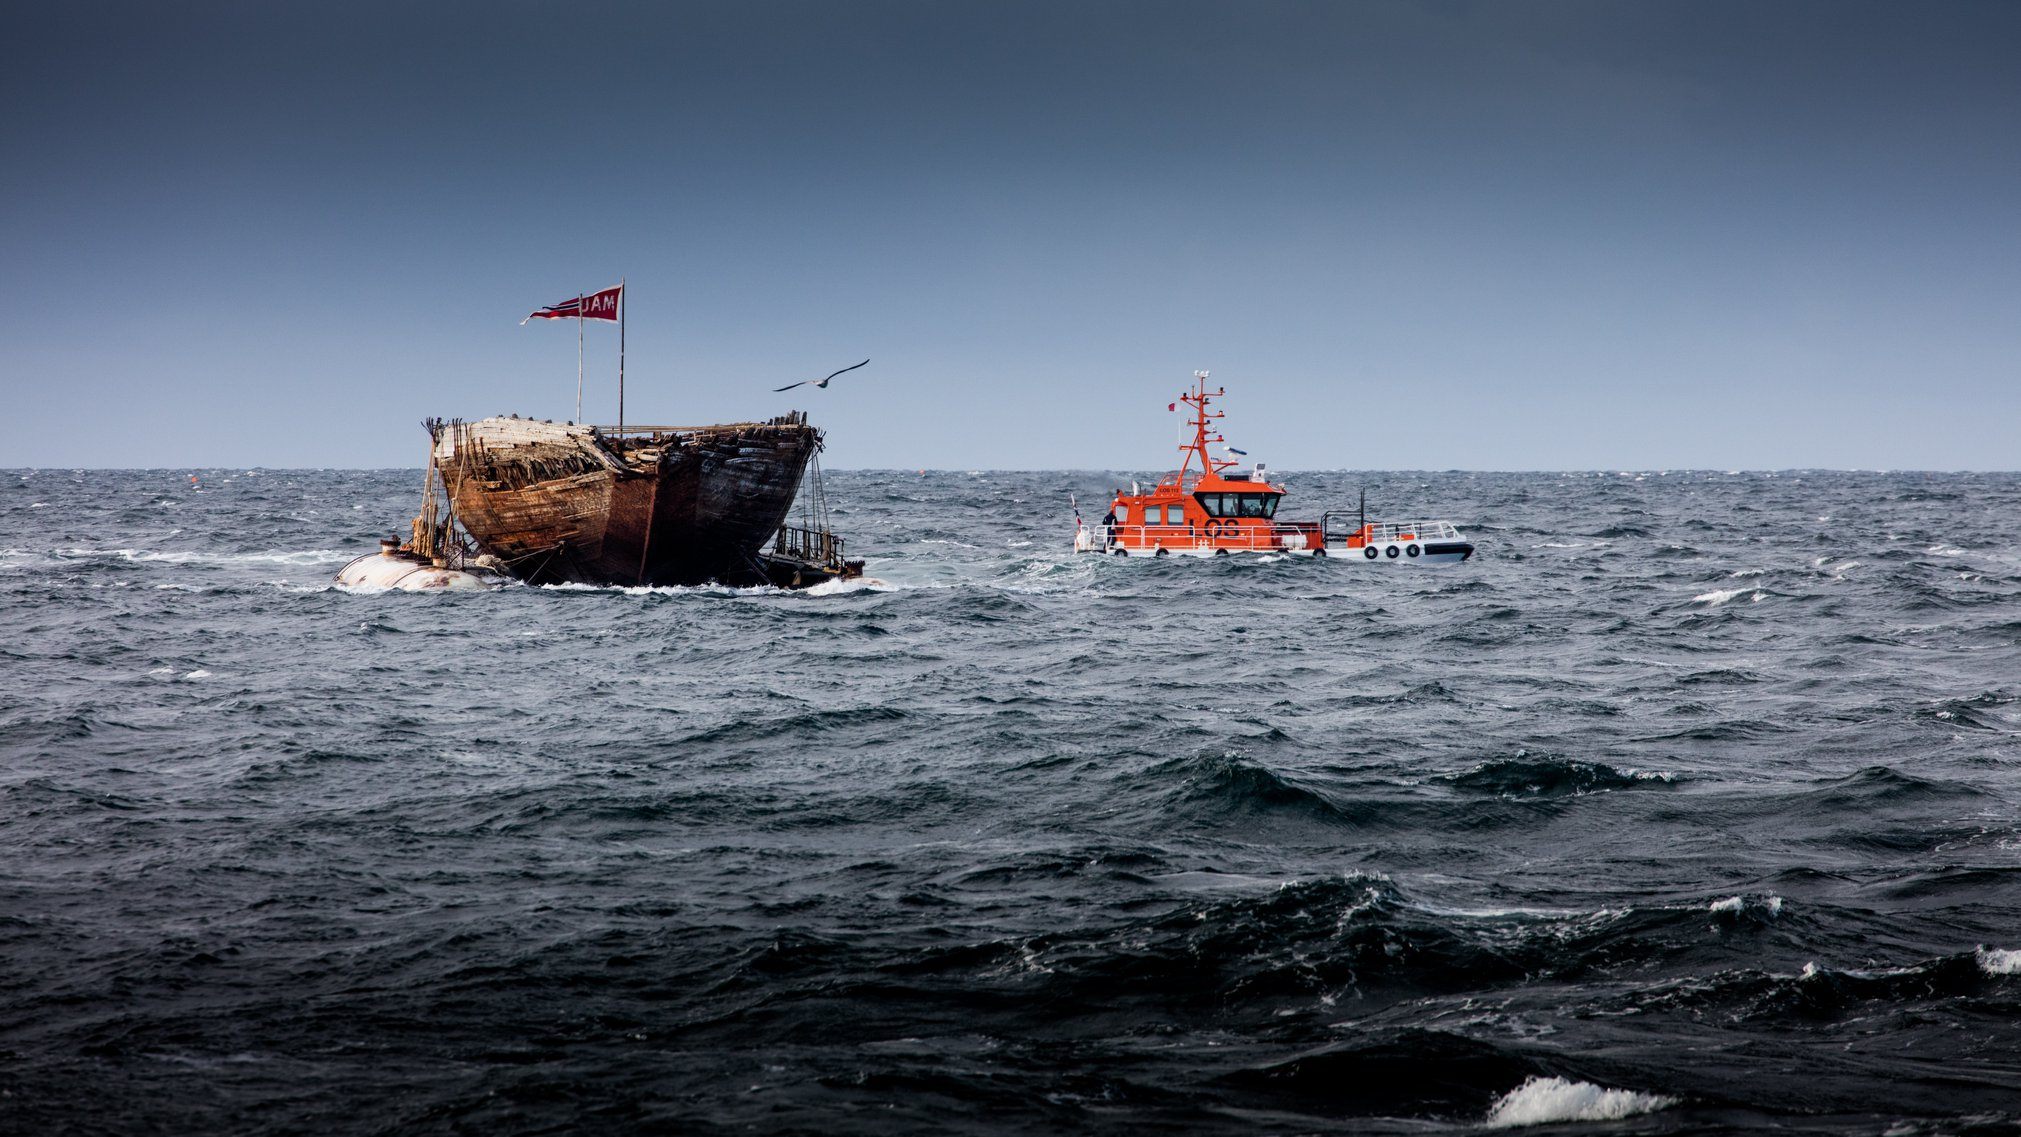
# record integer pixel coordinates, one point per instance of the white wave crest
(1722, 595)
(842, 587)
(825, 588)
(1542, 1101)
(1995, 961)
(1771, 905)
(666, 589)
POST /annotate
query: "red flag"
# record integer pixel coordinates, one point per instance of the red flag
(1171, 406)
(596, 306)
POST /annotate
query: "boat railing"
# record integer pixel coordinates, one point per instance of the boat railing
(1276, 536)
(815, 546)
(1196, 536)
(1412, 531)
(633, 431)
(1342, 525)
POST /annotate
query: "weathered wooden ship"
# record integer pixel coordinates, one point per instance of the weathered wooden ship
(555, 503)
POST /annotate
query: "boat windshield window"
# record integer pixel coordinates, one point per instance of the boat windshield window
(1255, 504)
(1212, 503)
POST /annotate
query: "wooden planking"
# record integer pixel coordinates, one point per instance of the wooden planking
(680, 508)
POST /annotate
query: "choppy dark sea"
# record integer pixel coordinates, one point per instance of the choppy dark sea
(1691, 804)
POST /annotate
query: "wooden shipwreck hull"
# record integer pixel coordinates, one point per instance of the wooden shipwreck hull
(559, 503)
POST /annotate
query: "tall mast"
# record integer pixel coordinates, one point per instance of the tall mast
(578, 358)
(1198, 399)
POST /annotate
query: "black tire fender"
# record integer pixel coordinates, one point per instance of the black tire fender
(1370, 552)
(1390, 552)
(1411, 549)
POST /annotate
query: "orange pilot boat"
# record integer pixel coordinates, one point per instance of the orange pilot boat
(1218, 509)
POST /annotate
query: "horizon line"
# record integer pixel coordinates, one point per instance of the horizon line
(1606, 471)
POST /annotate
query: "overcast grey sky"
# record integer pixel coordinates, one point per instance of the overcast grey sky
(1488, 236)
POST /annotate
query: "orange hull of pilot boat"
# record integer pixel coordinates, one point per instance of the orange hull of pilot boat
(1217, 509)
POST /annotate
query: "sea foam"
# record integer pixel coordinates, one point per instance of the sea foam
(1542, 1101)
(1996, 961)
(1734, 905)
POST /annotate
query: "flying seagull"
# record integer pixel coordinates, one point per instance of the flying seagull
(817, 382)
